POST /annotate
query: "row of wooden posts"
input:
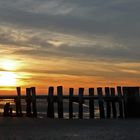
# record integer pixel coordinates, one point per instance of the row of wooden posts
(111, 105)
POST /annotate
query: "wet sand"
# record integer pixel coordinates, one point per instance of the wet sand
(47, 129)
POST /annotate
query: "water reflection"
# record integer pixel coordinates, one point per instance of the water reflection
(42, 108)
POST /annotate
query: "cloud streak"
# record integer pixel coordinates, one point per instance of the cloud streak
(77, 31)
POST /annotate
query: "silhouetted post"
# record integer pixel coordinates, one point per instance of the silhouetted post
(101, 103)
(34, 101)
(125, 96)
(28, 102)
(50, 110)
(114, 111)
(60, 101)
(81, 92)
(91, 102)
(18, 102)
(132, 102)
(71, 91)
(108, 106)
(119, 90)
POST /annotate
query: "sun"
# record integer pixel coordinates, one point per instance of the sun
(8, 76)
(8, 79)
(8, 65)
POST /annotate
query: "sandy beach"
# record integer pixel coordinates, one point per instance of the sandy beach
(46, 129)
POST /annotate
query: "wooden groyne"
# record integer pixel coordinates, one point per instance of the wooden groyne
(120, 102)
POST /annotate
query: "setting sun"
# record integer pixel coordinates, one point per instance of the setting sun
(8, 76)
(9, 65)
(8, 79)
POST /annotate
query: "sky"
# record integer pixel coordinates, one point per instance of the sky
(73, 43)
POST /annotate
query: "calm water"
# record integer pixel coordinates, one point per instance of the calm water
(42, 108)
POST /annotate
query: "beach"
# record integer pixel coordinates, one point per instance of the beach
(49, 129)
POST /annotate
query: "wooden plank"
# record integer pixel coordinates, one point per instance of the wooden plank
(81, 92)
(71, 91)
(101, 103)
(60, 101)
(121, 103)
(50, 108)
(28, 102)
(34, 106)
(114, 110)
(108, 103)
(131, 91)
(91, 103)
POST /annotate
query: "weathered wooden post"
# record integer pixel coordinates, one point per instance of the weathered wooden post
(28, 102)
(91, 102)
(60, 101)
(119, 90)
(114, 111)
(50, 110)
(132, 102)
(18, 103)
(71, 91)
(101, 103)
(125, 101)
(34, 107)
(108, 106)
(81, 92)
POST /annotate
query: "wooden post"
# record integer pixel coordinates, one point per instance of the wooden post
(119, 90)
(60, 101)
(81, 91)
(132, 102)
(28, 102)
(18, 103)
(108, 106)
(50, 110)
(114, 111)
(125, 102)
(91, 102)
(34, 107)
(101, 103)
(71, 91)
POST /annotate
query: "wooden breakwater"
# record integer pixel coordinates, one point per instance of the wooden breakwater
(120, 102)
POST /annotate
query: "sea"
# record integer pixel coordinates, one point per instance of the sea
(42, 108)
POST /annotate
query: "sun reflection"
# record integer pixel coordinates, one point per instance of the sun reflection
(8, 79)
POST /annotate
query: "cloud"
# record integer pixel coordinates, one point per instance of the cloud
(73, 30)
(114, 18)
(53, 44)
(118, 19)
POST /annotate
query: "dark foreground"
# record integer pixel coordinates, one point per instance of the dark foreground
(45, 129)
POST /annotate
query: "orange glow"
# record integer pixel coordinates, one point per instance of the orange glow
(8, 75)
(67, 73)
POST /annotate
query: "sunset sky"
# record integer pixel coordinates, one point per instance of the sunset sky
(74, 43)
